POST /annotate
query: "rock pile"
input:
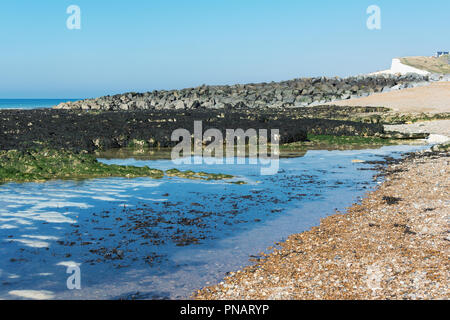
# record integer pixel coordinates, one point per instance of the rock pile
(293, 93)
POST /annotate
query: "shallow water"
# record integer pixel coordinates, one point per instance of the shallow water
(153, 239)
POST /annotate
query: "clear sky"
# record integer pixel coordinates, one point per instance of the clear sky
(167, 44)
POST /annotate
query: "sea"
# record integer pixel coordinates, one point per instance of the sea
(31, 103)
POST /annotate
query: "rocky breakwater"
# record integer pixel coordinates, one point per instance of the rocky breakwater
(293, 93)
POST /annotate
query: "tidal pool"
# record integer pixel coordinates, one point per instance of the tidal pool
(163, 239)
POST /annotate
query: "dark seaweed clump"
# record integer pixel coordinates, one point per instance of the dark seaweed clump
(391, 200)
(90, 131)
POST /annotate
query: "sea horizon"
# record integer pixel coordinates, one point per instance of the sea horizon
(30, 103)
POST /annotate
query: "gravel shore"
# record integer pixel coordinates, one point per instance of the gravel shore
(393, 245)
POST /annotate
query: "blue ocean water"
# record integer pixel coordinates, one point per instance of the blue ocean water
(31, 103)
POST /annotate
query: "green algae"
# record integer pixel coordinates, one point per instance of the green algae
(339, 141)
(48, 164)
(443, 147)
(197, 175)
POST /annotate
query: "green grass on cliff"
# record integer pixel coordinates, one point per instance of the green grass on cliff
(431, 64)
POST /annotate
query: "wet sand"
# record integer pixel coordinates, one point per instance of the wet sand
(393, 245)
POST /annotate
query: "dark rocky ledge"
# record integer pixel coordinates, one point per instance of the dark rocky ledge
(77, 130)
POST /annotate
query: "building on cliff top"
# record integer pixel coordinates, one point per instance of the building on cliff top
(441, 53)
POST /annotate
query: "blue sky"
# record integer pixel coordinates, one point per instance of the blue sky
(145, 45)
